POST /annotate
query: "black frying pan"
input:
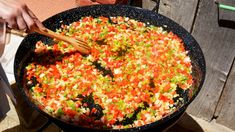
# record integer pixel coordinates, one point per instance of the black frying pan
(25, 52)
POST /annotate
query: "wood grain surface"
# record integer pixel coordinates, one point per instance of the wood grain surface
(225, 111)
(218, 44)
(181, 11)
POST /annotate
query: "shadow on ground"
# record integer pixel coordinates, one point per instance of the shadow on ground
(185, 124)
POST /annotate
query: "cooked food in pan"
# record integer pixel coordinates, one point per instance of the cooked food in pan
(134, 75)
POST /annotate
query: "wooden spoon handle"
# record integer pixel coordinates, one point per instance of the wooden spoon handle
(17, 32)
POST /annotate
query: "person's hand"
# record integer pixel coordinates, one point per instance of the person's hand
(18, 15)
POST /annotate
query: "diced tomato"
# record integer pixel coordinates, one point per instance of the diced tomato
(167, 87)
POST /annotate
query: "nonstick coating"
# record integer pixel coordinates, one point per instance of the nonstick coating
(25, 52)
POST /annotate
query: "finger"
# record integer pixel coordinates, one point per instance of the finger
(37, 22)
(28, 19)
(21, 23)
(40, 25)
(8, 13)
(12, 23)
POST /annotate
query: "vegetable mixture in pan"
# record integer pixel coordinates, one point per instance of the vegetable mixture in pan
(135, 74)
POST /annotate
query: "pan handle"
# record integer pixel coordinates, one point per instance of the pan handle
(156, 7)
(129, 2)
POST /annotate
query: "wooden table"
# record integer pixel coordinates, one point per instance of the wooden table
(216, 100)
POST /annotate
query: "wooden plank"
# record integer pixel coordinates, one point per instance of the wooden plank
(181, 11)
(225, 111)
(218, 46)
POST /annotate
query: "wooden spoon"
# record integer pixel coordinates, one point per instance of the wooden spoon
(79, 44)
